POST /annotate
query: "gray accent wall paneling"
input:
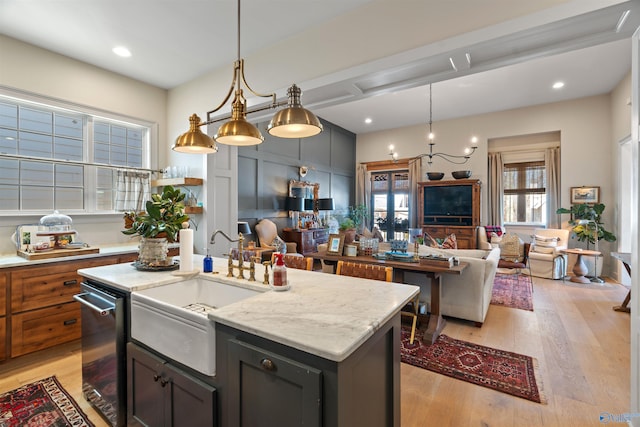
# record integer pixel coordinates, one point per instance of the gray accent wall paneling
(264, 171)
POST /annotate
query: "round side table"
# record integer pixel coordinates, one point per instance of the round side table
(579, 268)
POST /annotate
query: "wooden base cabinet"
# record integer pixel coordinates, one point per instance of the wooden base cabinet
(160, 394)
(306, 239)
(270, 384)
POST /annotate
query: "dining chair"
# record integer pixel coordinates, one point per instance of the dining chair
(295, 261)
(380, 272)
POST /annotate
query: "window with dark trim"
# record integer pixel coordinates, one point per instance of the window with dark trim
(524, 192)
(390, 202)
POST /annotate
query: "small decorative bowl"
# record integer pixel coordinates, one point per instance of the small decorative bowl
(461, 174)
(435, 176)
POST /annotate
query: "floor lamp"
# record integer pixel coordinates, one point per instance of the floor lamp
(595, 277)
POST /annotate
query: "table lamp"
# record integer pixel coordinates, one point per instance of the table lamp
(595, 277)
(324, 205)
(296, 205)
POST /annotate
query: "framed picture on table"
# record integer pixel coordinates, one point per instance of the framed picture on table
(582, 195)
(335, 244)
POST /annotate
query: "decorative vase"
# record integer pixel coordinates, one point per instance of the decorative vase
(153, 251)
(349, 235)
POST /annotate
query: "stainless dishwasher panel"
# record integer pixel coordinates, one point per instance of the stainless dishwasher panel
(103, 351)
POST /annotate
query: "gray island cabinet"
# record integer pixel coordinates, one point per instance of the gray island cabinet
(324, 353)
(268, 384)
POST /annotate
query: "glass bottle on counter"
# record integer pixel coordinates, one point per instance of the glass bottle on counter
(207, 264)
(279, 271)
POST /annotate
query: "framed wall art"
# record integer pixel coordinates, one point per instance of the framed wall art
(335, 244)
(581, 195)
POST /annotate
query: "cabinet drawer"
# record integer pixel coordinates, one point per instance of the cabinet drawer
(459, 231)
(46, 286)
(44, 328)
(321, 236)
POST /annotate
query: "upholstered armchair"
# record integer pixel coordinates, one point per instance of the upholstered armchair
(545, 258)
(267, 232)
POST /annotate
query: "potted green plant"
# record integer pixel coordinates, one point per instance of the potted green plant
(348, 228)
(161, 223)
(587, 232)
(359, 215)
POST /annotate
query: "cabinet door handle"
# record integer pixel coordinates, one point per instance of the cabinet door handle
(70, 282)
(70, 322)
(156, 377)
(164, 382)
(267, 364)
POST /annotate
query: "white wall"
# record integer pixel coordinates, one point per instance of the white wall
(27, 68)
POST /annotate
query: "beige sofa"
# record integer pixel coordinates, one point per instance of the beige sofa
(466, 296)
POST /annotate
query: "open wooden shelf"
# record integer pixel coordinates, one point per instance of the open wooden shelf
(176, 182)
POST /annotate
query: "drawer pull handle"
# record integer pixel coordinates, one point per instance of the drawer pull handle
(71, 282)
(156, 377)
(70, 322)
(164, 382)
(267, 364)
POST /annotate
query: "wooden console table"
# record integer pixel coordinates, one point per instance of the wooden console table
(433, 272)
(625, 258)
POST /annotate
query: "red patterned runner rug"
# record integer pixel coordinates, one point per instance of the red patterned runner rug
(504, 371)
(41, 403)
(508, 291)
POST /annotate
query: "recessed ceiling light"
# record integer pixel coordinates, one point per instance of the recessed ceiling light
(122, 51)
(368, 120)
(558, 85)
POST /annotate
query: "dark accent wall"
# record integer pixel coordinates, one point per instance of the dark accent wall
(264, 172)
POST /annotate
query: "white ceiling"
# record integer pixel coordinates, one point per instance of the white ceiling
(584, 52)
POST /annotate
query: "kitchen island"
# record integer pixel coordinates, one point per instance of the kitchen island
(325, 352)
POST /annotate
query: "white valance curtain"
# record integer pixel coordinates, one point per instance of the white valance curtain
(133, 189)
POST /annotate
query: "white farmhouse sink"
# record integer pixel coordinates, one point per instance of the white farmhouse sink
(172, 319)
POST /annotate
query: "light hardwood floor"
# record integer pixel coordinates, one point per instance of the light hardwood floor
(581, 344)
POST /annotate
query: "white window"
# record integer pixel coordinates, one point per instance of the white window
(53, 157)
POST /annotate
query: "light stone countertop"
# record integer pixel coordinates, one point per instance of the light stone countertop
(323, 314)
(8, 260)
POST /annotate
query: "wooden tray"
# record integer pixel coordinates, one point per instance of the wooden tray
(57, 253)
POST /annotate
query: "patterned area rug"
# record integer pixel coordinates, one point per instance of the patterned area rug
(504, 371)
(41, 403)
(510, 292)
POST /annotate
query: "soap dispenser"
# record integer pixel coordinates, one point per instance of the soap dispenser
(279, 271)
(207, 263)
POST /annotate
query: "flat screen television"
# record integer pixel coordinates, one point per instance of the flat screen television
(447, 201)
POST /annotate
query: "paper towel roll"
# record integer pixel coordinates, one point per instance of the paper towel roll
(186, 250)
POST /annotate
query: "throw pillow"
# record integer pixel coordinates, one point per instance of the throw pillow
(510, 248)
(542, 250)
(430, 241)
(547, 242)
(278, 243)
(495, 240)
(491, 229)
(450, 242)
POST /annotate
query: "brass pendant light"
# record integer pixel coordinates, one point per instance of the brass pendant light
(194, 140)
(295, 121)
(292, 122)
